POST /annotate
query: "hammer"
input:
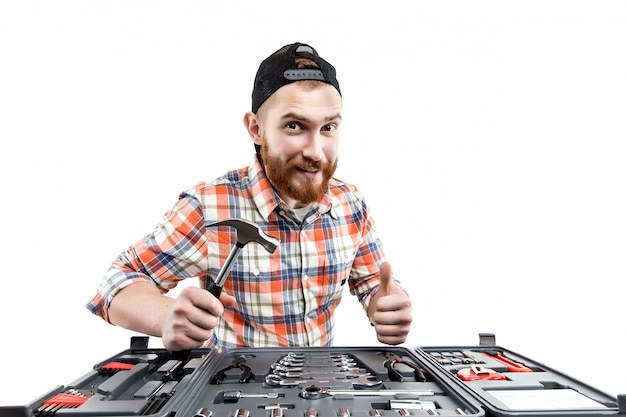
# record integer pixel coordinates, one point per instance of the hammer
(246, 232)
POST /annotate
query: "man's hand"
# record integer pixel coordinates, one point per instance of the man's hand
(183, 323)
(191, 318)
(390, 309)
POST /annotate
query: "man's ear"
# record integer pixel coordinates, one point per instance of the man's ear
(253, 126)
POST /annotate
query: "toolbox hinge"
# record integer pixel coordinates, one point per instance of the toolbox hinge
(486, 339)
(139, 342)
(621, 403)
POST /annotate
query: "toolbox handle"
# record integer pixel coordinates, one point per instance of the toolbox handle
(486, 339)
(621, 403)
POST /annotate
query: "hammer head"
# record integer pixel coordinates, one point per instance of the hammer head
(250, 232)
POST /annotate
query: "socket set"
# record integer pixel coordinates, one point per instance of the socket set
(483, 380)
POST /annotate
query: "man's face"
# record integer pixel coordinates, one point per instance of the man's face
(299, 141)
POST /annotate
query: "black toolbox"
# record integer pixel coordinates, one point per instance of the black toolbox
(482, 380)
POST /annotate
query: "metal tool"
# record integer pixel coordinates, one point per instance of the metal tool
(238, 363)
(314, 392)
(203, 412)
(277, 412)
(232, 396)
(466, 357)
(478, 372)
(317, 362)
(391, 364)
(242, 412)
(365, 381)
(310, 412)
(343, 412)
(279, 368)
(323, 356)
(350, 373)
(411, 405)
(246, 232)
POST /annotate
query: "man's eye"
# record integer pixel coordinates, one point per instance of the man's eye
(292, 125)
(328, 128)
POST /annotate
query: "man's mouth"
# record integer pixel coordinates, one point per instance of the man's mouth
(309, 170)
(309, 173)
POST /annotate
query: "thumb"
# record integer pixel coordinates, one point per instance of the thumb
(386, 281)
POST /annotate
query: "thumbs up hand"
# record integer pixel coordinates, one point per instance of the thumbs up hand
(390, 309)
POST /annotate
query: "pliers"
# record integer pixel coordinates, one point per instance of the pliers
(238, 363)
(393, 360)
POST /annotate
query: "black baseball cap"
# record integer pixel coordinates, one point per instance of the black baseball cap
(279, 69)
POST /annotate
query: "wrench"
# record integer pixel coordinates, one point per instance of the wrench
(364, 380)
(317, 355)
(329, 362)
(283, 368)
(313, 392)
(352, 373)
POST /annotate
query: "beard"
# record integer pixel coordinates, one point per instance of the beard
(282, 176)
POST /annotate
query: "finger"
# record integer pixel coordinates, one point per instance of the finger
(228, 300)
(386, 278)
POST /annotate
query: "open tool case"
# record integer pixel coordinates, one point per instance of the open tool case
(509, 384)
(483, 380)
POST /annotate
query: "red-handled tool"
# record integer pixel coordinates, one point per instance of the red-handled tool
(511, 365)
(479, 372)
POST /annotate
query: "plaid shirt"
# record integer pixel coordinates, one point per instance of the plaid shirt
(283, 299)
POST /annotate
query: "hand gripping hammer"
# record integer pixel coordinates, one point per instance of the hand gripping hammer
(246, 232)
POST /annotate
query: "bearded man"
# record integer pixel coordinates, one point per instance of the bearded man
(327, 235)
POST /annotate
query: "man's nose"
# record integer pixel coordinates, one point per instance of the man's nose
(313, 147)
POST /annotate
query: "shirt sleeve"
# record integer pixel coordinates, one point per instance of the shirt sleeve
(175, 250)
(364, 276)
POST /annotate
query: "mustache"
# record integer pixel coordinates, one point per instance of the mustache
(305, 165)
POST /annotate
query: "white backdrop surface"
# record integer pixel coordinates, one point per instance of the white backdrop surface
(488, 136)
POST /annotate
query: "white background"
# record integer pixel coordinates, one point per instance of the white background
(488, 136)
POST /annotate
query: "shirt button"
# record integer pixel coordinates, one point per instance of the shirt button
(307, 319)
(256, 272)
(305, 277)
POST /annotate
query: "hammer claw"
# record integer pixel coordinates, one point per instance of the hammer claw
(247, 232)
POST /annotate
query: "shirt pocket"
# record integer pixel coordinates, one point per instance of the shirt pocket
(334, 269)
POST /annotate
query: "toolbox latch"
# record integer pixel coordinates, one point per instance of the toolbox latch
(486, 339)
(139, 342)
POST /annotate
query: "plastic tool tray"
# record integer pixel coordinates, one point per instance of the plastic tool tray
(509, 384)
(318, 382)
